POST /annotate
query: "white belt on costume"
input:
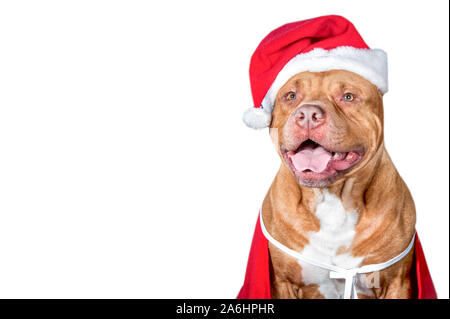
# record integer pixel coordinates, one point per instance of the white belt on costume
(349, 275)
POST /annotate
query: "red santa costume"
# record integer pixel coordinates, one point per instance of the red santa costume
(315, 45)
(257, 276)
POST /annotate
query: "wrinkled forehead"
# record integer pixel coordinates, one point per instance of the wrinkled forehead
(334, 81)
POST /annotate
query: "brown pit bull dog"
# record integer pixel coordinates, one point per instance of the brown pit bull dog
(337, 196)
(337, 199)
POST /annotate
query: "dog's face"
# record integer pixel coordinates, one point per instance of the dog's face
(327, 125)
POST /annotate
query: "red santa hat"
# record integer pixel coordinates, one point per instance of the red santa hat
(315, 45)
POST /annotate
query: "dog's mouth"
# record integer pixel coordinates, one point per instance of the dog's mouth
(313, 162)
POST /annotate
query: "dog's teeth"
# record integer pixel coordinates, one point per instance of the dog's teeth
(337, 155)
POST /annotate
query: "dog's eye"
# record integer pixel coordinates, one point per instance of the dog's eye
(349, 97)
(291, 96)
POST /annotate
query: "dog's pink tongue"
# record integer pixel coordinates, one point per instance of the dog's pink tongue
(313, 159)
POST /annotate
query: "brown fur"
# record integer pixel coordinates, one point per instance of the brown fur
(386, 222)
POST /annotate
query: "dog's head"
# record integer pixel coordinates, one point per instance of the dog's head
(327, 125)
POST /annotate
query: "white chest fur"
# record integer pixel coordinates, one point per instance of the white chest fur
(337, 230)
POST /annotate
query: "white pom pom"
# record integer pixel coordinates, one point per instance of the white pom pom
(257, 118)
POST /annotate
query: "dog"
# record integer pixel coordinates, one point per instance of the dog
(357, 210)
(338, 220)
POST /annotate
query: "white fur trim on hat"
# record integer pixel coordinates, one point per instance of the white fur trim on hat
(371, 64)
(257, 118)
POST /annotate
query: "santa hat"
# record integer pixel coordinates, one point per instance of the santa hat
(315, 45)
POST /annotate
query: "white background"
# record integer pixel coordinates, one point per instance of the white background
(125, 168)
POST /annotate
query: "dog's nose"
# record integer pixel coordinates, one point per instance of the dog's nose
(309, 116)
